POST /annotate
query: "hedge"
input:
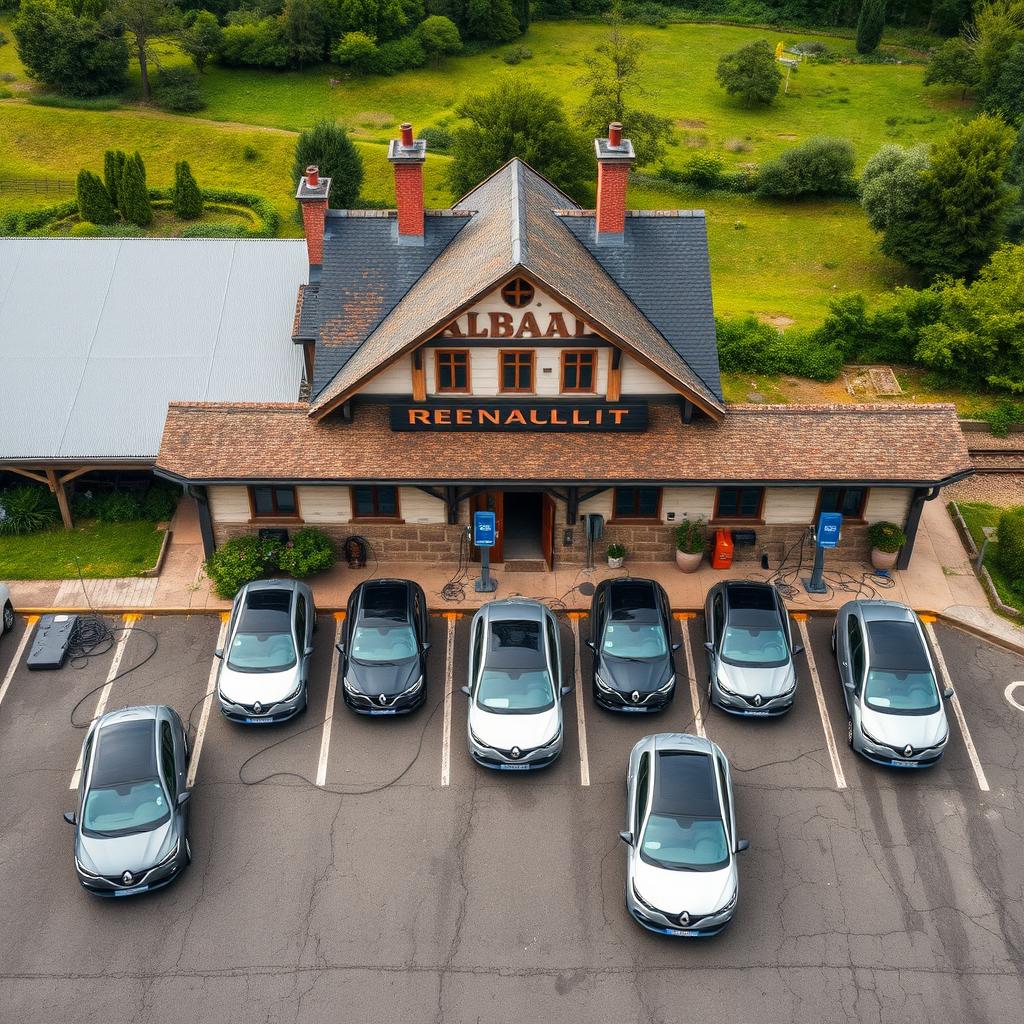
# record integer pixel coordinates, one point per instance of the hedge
(249, 557)
(1010, 554)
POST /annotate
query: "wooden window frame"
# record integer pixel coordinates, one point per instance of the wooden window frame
(859, 517)
(517, 353)
(376, 516)
(736, 517)
(275, 516)
(438, 353)
(592, 352)
(526, 301)
(656, 518)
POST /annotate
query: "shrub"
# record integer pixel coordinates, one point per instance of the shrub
(177, 89)
(870, 25)
(308, 552)
(1010, 554)
(1006, 414)
(117, 507)
(258, 44)
(85, 229)
(160, 502)
(644, 13)
(83, 504)
(74, 103)
(239, 561)
(113, 170)
(690, 536)
(821, 166)
(186, 198)
(746, 345)
(750, 73)
(616, 550)
(517, 55)
(437, 139)
(25, 509)
(887, 537)
(439, 37)
(358, 51)
(328, 146)
(703, 171)
(250, 153)
(400, 55)
(133, 198)
(216, 229)
(94, 203)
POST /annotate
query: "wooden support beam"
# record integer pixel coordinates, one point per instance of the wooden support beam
(419, 377)
(57, 486)
(68, 477)
(615, 375)
(40, 478)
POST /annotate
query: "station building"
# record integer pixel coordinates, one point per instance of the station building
(520, 354)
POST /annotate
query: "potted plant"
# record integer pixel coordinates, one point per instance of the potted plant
(616, 555)
(886, 540)
(690, 544)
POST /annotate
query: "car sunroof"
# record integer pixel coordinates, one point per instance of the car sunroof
(126, 753)
(631, 597)
(685, 785)
(755, 598)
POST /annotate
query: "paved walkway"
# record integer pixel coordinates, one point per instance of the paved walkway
(940, 579)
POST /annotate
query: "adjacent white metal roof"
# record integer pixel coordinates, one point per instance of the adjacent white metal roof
(97, 335)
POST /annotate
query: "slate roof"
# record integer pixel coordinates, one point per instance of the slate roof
(919, 445)
(512, 226)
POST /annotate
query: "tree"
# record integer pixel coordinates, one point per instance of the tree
(750, 73)
(113, 169)
(358, 51)
(517, 119)
(81, 56)
(953, 63)
(521, 9)
(201, 38)
(870, 25)
(439, 37)
(997, 27)
(94, 203)
(177, 88)
(821, 166)
(146, 20)
(306, 31)
(133, 196)
(1007, 95)
(327, 146)
(491, 20)
(382, 19)
(254, 43)
(892, 184)
(186, 198)
(612, 71)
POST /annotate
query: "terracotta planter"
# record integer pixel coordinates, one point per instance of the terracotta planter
(689, 561)
(615, 563)
(884, 559)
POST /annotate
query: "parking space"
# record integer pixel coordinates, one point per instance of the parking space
(384, 872)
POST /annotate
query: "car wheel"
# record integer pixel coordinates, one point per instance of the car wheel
(710, 691)
(833, 641)
(8, 618)
(849, 732)
(188, 851)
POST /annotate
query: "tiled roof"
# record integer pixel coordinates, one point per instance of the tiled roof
(513, 227)
(906, 444)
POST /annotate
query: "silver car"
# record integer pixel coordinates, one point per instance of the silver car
(681, 840)
(750, 650)
(515, 686)
(893, 700)
(265, 663)
(131, 826)
(6, 610)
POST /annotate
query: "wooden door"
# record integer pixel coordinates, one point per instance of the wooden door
(491, 501)
(547, 530)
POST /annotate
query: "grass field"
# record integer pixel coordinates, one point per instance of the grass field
(977, 515)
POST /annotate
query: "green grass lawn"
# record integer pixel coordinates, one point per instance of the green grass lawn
(105, 550)
(977, 515)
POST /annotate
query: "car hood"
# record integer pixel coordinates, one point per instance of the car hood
(136, 853)
(697, 892)
(899, 730)
(389, 679)
(749, 680)
(643, 676)
(507, 731)
(249, 687)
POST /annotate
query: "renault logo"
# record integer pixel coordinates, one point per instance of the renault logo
(757, 700)
(635, 695)
(684, 918)
(515, 752)
(908, 750)
(382, 699)
(127, 878)
(257, 707)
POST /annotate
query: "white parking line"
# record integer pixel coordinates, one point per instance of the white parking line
(698, 714)
(449, 672)
(204, 715)
(18, 652)
(972, 753)
(581, 714)
(332, 689)
(830, 740)
(101, 704)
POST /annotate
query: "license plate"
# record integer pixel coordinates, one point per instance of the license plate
(632, 709)
(688, 934)
(382, 711)
(514, 767)
(757, 714)
(904, 764)
(131, 892)
(259, 721)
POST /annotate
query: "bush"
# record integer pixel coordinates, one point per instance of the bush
(399, 55)
(616, 550)
(308, 552)
(259, 44)
(358, 51)
(1006, 414)
(327, 145)
(250, 153)
(26, 509)
(887, 537)
(160, 502)
(177, 89)
(186, 198)
(437, 139)
(239, 561)
(745, 345)
(117, 507)
(751, 73)
(85, 229)
(517, 55)
(439, 37)
(216, 229)
(133, 198)
(94, 203)
(74, 103)
(690, 536)
(870, 25)
(1010, 554)
(822, 166)
(644, 13)
(83, 504)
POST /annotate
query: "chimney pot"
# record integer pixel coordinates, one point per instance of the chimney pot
(312, 176)
(406, 155)
(615, 157)
(406, 135)
(615, 135)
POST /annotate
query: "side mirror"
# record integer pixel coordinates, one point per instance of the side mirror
(626, 837)
(675, 647)
(798, 648)
(850, 686)
(947, 692)
(709, 647)
(340, 648)
(219, 653)
(308, 651)
(742, 845)
(426, 647)
(184, 797)
(566, 690)
(69, 817)
(465, 690)
(591, 644)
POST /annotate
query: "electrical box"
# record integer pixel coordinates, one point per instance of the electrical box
(51, 642)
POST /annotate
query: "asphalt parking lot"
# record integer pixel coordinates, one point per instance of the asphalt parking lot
(366, 870)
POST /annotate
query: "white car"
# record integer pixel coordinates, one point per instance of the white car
(515, 686)
(7, 612)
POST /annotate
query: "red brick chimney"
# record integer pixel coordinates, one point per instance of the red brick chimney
(407, 156)
(615, 157)
(312, 194)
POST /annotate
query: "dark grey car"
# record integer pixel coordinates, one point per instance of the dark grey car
(131, 825)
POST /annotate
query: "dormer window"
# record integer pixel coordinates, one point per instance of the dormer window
(518, 293)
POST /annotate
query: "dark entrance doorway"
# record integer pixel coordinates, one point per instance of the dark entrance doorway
(526, 524)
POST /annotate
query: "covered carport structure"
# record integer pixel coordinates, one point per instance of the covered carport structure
(98, 335)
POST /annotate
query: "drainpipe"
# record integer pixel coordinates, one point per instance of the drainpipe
(205, 521)
(921, 495)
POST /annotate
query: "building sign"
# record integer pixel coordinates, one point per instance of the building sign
(558, 417)
(517, 324)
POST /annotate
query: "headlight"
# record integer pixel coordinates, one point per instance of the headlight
(871, 739)
(170, 856)
(412, 689)
(476, 739)
(725, 689)
(730, 903)
(295, 692)
(602, 685)
(668, 686)
(554, 739)
(348, 686)
(84, 870)
(643, 903)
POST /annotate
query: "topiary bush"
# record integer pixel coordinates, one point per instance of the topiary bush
(308, 552)
(85, 229)
(239, 561)
(1010, 554)
(118, 507)
(94, 203)
(160, 502)
(186, 198)
(887, 537)
(26, 509)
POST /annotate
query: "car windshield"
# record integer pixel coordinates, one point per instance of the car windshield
(682, 842)
(383, 643)
(747, 645)
(901, 693)
(515, 691)
(261, 652)
(634, 639)
(122, 810)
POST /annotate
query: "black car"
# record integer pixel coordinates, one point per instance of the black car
(631, 640)
(384, 652)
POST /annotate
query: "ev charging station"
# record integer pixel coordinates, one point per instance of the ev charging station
(827, 536)
(485, 533)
